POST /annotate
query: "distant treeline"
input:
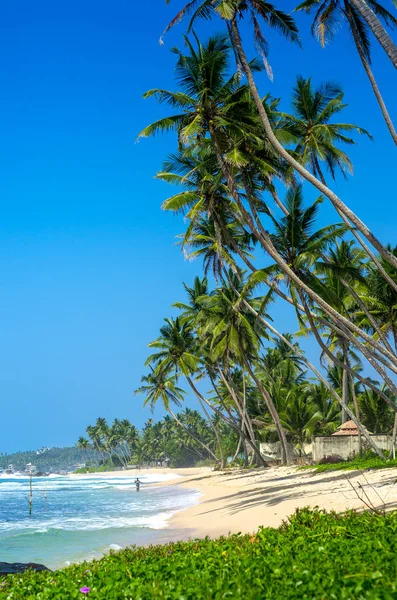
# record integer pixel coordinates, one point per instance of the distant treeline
(49, 460)
(185, 440)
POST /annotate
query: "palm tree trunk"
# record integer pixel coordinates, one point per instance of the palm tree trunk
(377, 29)
(338, 363)
(372, 80)
(357, 411)
(394, 437)
(345, 381)
(265, 241)
(216, 433)
(318, 375)
(237, 449)
(201, 399)
(285, 458)
(336, 201)
(236, 427)
(370, 318)
(243, 413)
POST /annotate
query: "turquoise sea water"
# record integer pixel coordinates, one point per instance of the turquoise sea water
(82, 517)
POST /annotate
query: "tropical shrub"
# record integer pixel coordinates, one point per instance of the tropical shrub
(314, 555)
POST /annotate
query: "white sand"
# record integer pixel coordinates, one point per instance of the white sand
(242, 500)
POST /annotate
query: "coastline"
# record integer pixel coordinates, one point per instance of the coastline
(243, 500)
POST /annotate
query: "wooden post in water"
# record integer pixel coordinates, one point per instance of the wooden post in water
(30, 493)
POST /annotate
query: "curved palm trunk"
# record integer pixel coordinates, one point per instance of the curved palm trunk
(394, 437)
(265, 241)
(345, 381)
(214, 429)
(336, 201)
(370, 318)
(356, 409)
(201, 398)
(338, 363)
(285, 458)
(377, 29)
(237, 449)
(319, 377)
(372, 80)
(243, 413)
(236, 427)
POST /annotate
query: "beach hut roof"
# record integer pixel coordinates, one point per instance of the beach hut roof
(348, 428)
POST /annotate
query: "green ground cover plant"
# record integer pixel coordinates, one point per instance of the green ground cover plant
(316, 555)
(362, 463)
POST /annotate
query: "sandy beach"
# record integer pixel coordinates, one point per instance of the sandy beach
(243, 500)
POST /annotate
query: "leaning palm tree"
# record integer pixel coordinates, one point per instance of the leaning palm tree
(330, 13)
(210, 105)
(232, 11)
(318, 136)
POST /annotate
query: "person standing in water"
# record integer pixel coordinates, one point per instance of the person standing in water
(137, 484)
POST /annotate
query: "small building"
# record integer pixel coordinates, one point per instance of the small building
(349, 428)
(344, 444)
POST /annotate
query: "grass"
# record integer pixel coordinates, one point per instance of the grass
(316, 555)
(367, 461)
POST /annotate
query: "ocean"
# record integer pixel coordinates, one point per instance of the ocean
(81, 517)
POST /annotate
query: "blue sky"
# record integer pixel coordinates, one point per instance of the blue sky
(89, 265)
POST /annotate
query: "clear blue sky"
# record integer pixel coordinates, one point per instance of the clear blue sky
(89, 265)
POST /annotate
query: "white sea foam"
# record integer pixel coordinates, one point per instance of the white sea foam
(157, 521)
(115, 547)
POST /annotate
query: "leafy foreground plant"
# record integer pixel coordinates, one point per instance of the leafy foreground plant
(315, 555)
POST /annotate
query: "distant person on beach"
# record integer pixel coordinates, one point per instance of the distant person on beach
(137, 484)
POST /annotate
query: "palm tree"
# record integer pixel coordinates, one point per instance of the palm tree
(377, 416)
(381, 300)
(325, 404)
(299, 417)
(236, 337)
(233, 10)
(204, 111)
(83, 444)
(173, 354)
(312, 125)
(215, 230)
(329, 14)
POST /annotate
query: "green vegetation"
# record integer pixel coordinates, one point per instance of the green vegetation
(315, 555)
(362, 463)
(243, 166)
(169, 442)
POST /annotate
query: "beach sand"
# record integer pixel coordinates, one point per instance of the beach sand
(242, 500)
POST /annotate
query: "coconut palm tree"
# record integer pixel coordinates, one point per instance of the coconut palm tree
(236, 337)
(210, 103)
(319, 137)
(299, 417)
(329, 14)
(178, 350)
(160, 385)
(377, 416)
(381, 300)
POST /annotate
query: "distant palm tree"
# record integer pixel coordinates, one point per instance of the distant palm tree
(160, 385)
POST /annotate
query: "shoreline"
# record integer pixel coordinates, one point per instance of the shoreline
(241, 501)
